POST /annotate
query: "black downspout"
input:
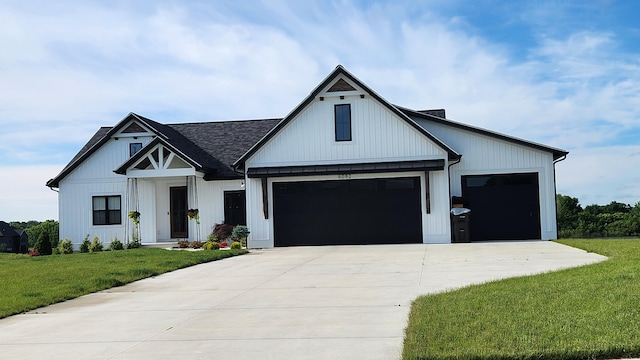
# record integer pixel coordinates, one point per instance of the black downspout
(555, 190)
(449, 175)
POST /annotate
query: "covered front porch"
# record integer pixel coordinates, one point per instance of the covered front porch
(168, 199)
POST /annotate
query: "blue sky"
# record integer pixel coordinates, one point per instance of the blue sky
(563, 73)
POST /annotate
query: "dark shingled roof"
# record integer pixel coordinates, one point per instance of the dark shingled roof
(214, 146)
(224, 141)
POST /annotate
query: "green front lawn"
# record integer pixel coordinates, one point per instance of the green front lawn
(27, 282)
(591, 312)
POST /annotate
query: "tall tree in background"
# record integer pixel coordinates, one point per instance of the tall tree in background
(569, 210)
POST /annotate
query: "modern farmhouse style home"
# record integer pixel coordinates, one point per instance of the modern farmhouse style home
(344, 167)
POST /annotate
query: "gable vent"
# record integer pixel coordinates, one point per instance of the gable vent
(341, 85)
(133, 128)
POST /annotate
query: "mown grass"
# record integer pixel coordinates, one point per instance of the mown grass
(31, 282)
(591, 312)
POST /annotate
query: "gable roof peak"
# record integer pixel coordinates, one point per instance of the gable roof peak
(341, 71)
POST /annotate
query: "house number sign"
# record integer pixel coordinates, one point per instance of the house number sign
(344, 176)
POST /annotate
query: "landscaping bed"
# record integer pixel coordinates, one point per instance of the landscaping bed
(590, 312)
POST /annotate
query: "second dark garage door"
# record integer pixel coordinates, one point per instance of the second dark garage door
(503, 206)
(347, 212)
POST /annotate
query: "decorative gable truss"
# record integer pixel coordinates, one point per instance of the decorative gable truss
(158, 159)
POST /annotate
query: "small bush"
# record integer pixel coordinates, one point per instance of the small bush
(222, 231)
(224, 244)
(65, 247)
(211, 245)
(34, 253)
(212, 237)
(236, 245)
(183, 244)
(84, 246)
(195, 244)
(43, 245)
(96, 245)
(116, 245)
(240, 232)
(134, 243)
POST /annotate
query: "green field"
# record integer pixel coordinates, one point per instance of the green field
(590, 312)
(32, 282)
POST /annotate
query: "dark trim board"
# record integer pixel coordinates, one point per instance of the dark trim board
(347, 212)
(337, 169)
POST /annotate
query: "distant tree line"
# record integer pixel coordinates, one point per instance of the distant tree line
(613, 220)
(35, 228)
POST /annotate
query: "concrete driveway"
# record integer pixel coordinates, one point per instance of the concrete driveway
(333, 302)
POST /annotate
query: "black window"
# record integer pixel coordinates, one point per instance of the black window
(106, 210)
(343, 122)
(134, 148)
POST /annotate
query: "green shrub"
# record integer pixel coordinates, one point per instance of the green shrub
(96, 245)
(211, 245)
(236, 245)
(116, 245)
(240, 232)
(65, 247)
(84, 246)
(212, 237)
(134, 243)
(43, 245)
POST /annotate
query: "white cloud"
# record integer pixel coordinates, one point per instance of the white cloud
(600, 175)
(24, 195)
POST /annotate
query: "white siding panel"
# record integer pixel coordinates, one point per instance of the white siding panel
(258, 225)
(76, 210)
(100, 164)
(377, 135)
(436, 227)
(147, 208)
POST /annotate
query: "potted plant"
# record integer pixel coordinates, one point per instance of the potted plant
(135, 217)
(193, 214)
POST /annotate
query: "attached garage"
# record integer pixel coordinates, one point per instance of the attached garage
(347, 212)
(348, 167)
(503, 206)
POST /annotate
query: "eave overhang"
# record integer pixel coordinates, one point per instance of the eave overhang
(356, 168)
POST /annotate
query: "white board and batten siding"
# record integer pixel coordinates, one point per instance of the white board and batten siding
(484, 155)
(94, 177)
(378, 135)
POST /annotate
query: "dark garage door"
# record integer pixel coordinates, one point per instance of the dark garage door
(503, 207)
(371, 211)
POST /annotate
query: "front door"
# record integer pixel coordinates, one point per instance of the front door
(178, 212)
